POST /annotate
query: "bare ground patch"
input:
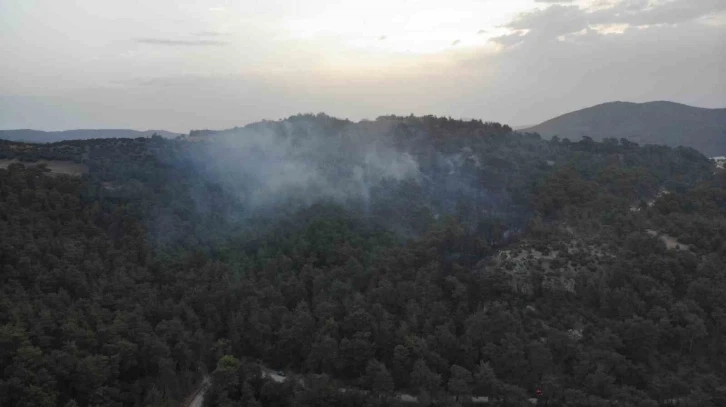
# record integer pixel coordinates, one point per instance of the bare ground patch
(670, 241)
(55, 166)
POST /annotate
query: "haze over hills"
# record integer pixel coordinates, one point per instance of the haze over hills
(661, 122)
(389, 262)
(668, 123)
(37, 136)
(343, 214)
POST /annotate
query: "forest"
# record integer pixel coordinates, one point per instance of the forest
(400, 261)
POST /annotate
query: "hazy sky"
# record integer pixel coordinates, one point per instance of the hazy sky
(182, 64)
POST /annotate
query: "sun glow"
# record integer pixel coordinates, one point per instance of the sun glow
(410, 27)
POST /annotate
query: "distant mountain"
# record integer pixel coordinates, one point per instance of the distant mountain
(522, 126)
(666, 123)
(37, 136)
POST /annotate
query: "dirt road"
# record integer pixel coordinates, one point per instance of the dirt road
(197, 399)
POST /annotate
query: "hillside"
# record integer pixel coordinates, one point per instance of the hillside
(419, 256)
(37, 136)
(666, 123)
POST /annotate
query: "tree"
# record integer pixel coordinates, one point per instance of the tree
(423, 377)
(487, 383)
(377, 378)
(460, 382)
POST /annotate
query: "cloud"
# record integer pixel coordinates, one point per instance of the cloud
(554, 1)
(208, 34)
(682, 62)
(180, 43)
(543, 25)
(509, 40)
(557, 21)
(642, 12)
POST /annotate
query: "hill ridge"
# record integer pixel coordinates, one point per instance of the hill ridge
(655, 122)
(41, 136)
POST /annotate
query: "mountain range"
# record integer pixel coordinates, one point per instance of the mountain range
(668, 123)
(37, 136)
(665, 123)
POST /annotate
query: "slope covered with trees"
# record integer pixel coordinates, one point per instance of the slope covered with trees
(38, 136)
(668, 123)
(507, 263)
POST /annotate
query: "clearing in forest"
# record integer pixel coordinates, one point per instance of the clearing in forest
(55, 166)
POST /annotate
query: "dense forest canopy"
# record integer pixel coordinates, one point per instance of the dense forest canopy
(402, 260)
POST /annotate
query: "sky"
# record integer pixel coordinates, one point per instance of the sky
(180, 64)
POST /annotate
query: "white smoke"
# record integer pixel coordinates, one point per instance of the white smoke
(303, 162)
